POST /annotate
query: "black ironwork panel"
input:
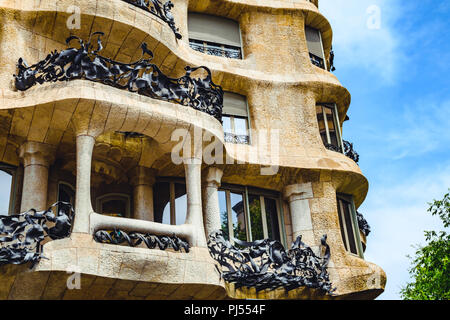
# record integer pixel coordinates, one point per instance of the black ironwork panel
(265, 264)
(195, 89)
(160, 10)
(363, 224)
(315, 60)
(350, 152)
(134, 239)
(22, 234)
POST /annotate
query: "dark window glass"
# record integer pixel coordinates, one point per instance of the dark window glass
(238, 216)
(346, 224)
(273, 228)
(161, 202)
(116, 208)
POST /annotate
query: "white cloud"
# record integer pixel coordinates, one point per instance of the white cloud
(357, 41)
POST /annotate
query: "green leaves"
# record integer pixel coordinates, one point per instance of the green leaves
(431, 265)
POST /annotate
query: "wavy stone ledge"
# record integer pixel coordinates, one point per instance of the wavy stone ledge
(113, 272)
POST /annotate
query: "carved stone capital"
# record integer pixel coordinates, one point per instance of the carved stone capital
(37, 153)
(142, 176)
(213, 177)
(299, 191)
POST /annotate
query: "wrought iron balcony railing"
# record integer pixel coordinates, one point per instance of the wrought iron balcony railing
(348, 150)
(265, 264)
(216, 49)
(363, 224)
(134, 239)
(22, 234)
(236, 138)
(317, 61)
(142, 76)
(160, 10)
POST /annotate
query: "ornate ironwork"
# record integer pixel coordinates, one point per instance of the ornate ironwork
(160, 10)
(363, 224)
(216, 49)
(331, 60)
(22, 234)
(236, 138)
(141, 76)
(350, 152)
(134, 239)
(315, 60)
(265, 264)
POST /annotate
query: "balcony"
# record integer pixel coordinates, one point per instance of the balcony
(160, 10)
(195, 89)
(347, 150)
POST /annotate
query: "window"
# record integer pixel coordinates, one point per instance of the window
(315, 48)
(250, 214)
(349, 225)
(214, 35)
(170, 202)
(7, 185)
(114, 204)
(329, 129)
(66, 193)
(235, 118)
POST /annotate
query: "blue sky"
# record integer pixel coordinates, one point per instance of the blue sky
(398, 76)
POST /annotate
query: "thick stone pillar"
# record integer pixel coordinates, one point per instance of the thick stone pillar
(83, 204)
(211, 209)
(297, 196)
(37, 158)
(192, 167)
(142, 180)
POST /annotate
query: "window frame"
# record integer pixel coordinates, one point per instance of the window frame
(232, 124)
(262, 194)
(336, 123)
(323, 58)
(205, 43)
(114, 196)
(173, 212)
(12, 171)
(354, 223)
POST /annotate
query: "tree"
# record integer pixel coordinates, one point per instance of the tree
(431, 265)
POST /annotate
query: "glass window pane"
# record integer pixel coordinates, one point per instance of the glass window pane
(345, 218)
(255, 217)
(238, 216)
(161, 202)
(322, 129)
(180, 203)
(223, 213)
(5, 186)
(240, 126)
(116, 208)
(273, 227)
(331, 127)
(226, 124)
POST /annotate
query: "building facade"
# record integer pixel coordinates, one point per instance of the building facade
(161, 123)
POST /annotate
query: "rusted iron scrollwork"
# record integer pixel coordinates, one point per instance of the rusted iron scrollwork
(134, 239)
(265, 264)
(160, 10)
(363, 224)
(22, 234)
(350, 152)
(195, 89)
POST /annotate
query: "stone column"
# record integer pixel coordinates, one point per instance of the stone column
(142, 180)
(211, 209)
(192, 167)
(83, 204)
(37, 158)
(297, 196)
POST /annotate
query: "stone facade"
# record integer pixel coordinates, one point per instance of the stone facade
(70, 132)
